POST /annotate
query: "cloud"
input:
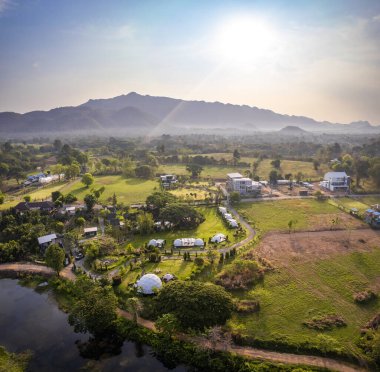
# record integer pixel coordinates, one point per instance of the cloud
(5, 5)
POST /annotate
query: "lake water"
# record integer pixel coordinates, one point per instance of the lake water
(29, 320)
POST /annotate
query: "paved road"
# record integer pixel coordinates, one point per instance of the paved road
(248, 352)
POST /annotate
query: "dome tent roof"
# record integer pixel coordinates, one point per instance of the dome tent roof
(148, 283)
(167, 277)
(218, 238)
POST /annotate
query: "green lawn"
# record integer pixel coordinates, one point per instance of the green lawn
(128, 191)
(275, 215)
(211, 226)
(179, 268)
(293, 294)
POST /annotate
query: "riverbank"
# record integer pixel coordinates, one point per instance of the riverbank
(13, 362)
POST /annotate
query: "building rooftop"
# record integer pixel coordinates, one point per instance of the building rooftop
(234, 175)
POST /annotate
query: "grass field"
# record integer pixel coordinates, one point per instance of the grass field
(287, 166)
(128, 191)
(269, 216)
(211, 226)
(179, 268)
(296, 293)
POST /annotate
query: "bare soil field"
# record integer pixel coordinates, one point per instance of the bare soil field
(282, 249)
(343, 221)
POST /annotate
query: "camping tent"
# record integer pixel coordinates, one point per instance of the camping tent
(167, 277)
(227, 216)
(218, 238)
(232, 222)
(148, 283)
(199, 242)
(222, 210)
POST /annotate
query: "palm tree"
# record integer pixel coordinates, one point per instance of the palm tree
(134, 306)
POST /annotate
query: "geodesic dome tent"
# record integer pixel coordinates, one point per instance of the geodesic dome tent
(222, 210)
(232, 223)
(148, 284)
(218, 238)
(152, 243)
(227, 216)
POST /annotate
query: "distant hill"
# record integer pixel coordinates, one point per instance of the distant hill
(292, 130)
(135, 114)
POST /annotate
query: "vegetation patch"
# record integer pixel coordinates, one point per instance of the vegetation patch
(365, 296)
(374, 323)
(325, 322)
(11, 362)
(240, 274)
(247, 306)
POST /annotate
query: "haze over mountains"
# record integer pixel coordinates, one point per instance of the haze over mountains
(134, 114)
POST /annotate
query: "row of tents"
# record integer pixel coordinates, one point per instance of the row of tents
(228, 217)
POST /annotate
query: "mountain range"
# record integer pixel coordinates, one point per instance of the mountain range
(134, 114)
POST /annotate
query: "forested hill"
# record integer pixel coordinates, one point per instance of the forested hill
(136, 114)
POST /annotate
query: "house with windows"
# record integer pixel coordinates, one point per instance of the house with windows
(168, 180)
(242, 185)
(336, 181)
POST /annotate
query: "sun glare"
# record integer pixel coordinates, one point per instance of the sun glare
(245, 38)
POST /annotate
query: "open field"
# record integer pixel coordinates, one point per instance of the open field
(131, 190)
(213, 225)
(179, 268)
(310, 215)
(317, 274)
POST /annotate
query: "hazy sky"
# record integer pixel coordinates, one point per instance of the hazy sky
(314, 58)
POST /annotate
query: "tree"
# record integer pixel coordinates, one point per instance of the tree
(114, 200)
(361, 166)
(95, 310)
(70, 198)
(212, 255)
(273, 177)
(316, 164)
(167, 324)
(374, 171)
(194, 169)
(291, 224)
(90, 202)
(55, 195)
(145, 222)
(87, 179)
(191, 301)
(72, 170)
(182, 216)
(235, 197)
(144, 171)
(134, 306)
(54, 257)
(159, 200)
(236, 156)
(80, 221)
(27, 198)
(276, 163)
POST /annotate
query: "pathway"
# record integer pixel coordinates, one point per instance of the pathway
(248, 352)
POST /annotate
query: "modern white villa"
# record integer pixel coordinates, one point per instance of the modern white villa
(243, 185)
(336, 181)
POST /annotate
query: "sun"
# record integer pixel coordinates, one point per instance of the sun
(244, 38)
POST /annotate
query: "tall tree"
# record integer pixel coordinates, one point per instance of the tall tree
(194, 169)
(54, 257)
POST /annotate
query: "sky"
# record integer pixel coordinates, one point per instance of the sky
(317, 58)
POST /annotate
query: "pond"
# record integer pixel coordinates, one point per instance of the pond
(30, 320)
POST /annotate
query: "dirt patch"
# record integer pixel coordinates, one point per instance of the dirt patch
(283, 248)
(342, 221)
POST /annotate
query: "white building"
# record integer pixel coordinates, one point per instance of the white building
(336, 181)
(167, 180)
(243, 185)
(188, 242)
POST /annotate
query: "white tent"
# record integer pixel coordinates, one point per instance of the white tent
(148, 284)
(199, 242)
(184, 242)
(227, 216)
(232, 222)
(218, 238)
(167, 277)
(222, 210)
(152, 243)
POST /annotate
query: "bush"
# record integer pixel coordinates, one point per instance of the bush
(199, 261)
(248, 306)
(326, 322)
(365, 296)
(240, 274)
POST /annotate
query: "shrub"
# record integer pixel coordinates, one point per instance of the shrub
(325, 322)
(199, 261)
(365, 296)
(248, 306)
(240, 274)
